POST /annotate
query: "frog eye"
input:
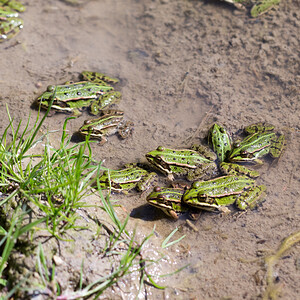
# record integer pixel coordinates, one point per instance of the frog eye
(50, 88)
(161, 198)
(157, 189)
(196, 184)
(160, 148)
(86, 122)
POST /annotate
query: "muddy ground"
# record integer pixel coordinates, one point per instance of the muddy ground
(183, 65)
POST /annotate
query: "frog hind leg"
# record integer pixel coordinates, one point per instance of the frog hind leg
(277, 146)
(251, 198)
(147, 181)
(125, 130)
(235, 169)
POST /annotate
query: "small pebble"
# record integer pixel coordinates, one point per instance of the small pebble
(38, 84)
(57, 260)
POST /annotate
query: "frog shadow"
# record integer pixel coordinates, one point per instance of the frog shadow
(77, 137)
(147, 212)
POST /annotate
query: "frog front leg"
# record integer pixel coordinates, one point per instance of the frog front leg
(76, 112)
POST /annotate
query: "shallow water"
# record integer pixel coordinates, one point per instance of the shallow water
(183, 65)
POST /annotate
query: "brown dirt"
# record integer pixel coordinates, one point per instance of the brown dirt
(183, 65)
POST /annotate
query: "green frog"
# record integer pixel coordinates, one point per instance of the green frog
(124, 180)
(73, 97)
(168, 200)
(220, 140)
(212, 195)
(10, 23)
(218, 193)
(111, 122)
(195, 163)
(258, 144)
(278, 141)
